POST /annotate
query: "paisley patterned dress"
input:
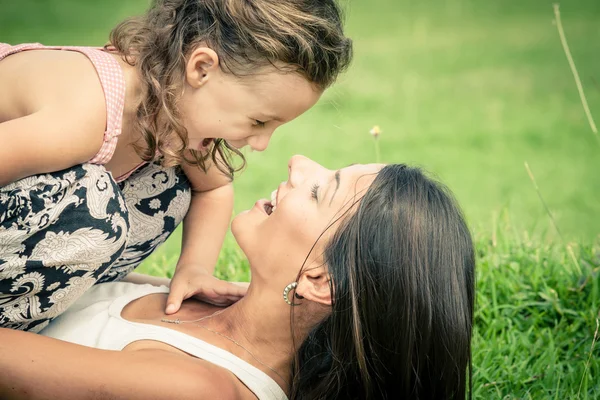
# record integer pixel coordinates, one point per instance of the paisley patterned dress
(63, 232)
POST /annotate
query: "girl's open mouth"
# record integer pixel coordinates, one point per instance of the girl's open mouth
(205, 143)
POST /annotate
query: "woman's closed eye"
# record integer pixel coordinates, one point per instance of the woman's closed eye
(314, 191)
(259, 123)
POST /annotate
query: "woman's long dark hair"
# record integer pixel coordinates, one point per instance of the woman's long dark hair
(403, 283)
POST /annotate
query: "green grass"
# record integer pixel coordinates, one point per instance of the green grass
(536, 318)
(469, 90)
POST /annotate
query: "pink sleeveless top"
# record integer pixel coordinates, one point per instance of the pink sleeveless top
(113, 83)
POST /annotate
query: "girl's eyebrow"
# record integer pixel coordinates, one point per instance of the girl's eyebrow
(337, 185)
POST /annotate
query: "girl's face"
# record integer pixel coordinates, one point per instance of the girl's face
(243, 111)
(279, 234)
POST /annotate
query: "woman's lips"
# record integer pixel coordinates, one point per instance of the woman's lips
(275, 195)
(268, 207)
(263, 205)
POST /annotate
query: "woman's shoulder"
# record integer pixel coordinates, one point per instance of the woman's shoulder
(193, 376)
(95, 373)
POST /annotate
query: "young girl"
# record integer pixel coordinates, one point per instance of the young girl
(105, 151)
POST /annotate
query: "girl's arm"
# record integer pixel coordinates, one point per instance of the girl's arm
(46, 141)
(207, 220)
(37, 367)
(204, 229)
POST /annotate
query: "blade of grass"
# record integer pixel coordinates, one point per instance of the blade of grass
(587, 364)
(539, 193)
(563, 40)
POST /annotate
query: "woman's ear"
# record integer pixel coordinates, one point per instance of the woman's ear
(201, 65)
(314, 285)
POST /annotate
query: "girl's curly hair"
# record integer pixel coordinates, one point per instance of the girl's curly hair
(301, 36)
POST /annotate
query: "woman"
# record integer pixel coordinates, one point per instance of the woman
(362, 288)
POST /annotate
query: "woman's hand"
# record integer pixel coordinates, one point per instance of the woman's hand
(193, 280)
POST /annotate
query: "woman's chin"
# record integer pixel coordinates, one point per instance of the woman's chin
(250, 219)
(246, 227)
(235, 223)
(241, 227)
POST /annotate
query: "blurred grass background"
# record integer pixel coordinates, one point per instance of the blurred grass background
(469, 90)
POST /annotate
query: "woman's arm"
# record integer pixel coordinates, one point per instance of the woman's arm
(142, 279)
(37, 367)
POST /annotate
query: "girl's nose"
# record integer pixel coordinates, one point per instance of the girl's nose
(260, 142)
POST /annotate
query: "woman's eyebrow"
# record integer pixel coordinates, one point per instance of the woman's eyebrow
(337, 185)
(269, 117)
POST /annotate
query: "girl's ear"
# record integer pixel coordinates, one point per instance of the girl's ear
(201, 65)
(314, 285)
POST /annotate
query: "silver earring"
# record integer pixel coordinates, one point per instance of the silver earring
(286, 292)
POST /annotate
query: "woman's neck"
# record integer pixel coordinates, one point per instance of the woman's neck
(260, 324)
(263, 329)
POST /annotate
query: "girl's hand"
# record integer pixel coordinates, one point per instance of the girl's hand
(193, 280)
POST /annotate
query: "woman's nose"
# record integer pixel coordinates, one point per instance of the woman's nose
(297, 169)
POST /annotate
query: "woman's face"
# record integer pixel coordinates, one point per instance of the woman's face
(280, 233)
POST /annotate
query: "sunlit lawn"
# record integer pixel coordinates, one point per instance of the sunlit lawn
(469, 90)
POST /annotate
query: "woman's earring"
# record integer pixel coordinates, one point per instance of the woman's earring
(286, 292)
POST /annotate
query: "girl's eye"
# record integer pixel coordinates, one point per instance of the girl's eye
(314, 190)
(259, 123)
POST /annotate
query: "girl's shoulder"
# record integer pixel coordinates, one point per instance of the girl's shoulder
(53, 112)
(37, 78)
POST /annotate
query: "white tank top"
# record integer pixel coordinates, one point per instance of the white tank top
(95, 321)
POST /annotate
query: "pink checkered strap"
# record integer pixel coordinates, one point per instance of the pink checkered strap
(112, 81)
